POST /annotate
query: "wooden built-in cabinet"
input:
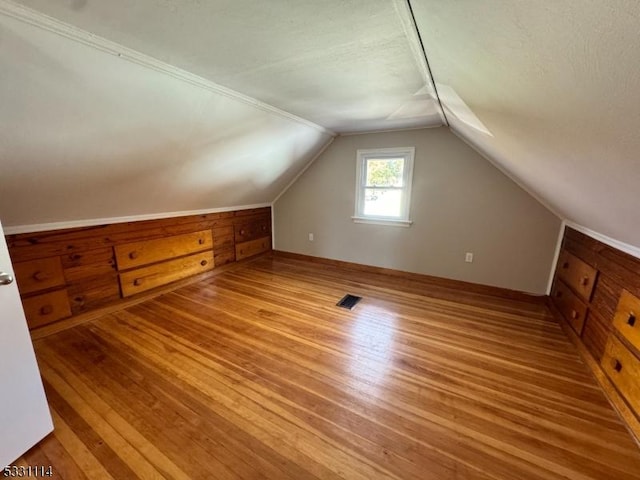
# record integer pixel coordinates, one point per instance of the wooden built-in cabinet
(43, 289)
(63, 273)
(596, 291)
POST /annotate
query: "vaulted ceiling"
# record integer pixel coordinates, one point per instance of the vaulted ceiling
(123, 108)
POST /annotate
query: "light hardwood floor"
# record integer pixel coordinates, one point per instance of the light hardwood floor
(255, 373)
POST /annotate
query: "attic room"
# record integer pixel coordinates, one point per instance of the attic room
(343, 239)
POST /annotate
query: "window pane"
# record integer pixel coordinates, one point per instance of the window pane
(385, 172)
(380, 202)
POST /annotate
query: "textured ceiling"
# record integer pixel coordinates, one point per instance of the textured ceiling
(85, 134)
(348, 65)
(557, 84)
(547, 90)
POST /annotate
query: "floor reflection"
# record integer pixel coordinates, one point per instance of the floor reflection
(372, 346)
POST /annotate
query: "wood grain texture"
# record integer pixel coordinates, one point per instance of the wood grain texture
(254, 373)
(41, 274)
(136, 254)
(595, 334)
(145, 278)
(578, 275)
(252, 247)
(627, 319)
(623, 368)
(420, 281)
(571, 307)
(87, 253)
(244, 232)
(46, 308)
(27, 246)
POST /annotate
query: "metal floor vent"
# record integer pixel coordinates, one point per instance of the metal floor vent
(348, 301)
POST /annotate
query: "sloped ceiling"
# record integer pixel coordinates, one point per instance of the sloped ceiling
(348, 65)
(547, 90)
(557, 83)
(119, 109)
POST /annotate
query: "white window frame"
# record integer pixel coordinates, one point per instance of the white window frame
(408, 154)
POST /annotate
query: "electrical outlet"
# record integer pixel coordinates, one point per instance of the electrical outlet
(311, 237)
(468, 257)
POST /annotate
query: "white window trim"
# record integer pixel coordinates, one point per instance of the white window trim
(408, 153)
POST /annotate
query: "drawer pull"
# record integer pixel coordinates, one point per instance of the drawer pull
(203, 263)
(46, 310)
(565, 265)
(631, 321)
(574, 314)
(585, 281)
(39, 276)
(264, 228)
(616, 365)
(133, 255)
(201, 241)
(241, 232)
(137, 282)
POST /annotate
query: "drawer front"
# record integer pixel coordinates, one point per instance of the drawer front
(146, 278)
(37, 275)
(253, 247)
(627, 318)
(623, 368)
(46, 308)
(251, 231)
(577, 274)
(571, 307)
(136, 254)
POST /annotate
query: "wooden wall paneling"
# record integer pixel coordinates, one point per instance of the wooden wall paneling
(44, 244)
(223, 257)
(224, 250)
(605, 297)
(93, 292)
(595, 334)
(223, 238)
(91, 278)
(87, 257)
(618, 266)
(610, 334)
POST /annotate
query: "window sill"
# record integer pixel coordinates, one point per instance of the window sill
(382, 221)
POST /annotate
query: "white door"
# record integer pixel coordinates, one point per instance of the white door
(24, 413)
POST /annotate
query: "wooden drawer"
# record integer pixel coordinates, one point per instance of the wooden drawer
(571, 307)
(253, 247)
(253, 230)
(46, 308)
(627, 318)
(146, 278)
(37, 275)
(135, 254)
(623, 368)
(577, 274)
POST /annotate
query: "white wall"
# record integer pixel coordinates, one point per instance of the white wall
(460, 203)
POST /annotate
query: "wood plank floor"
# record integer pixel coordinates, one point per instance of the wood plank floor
(255, 373)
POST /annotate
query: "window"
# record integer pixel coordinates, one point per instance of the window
(383, 189)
